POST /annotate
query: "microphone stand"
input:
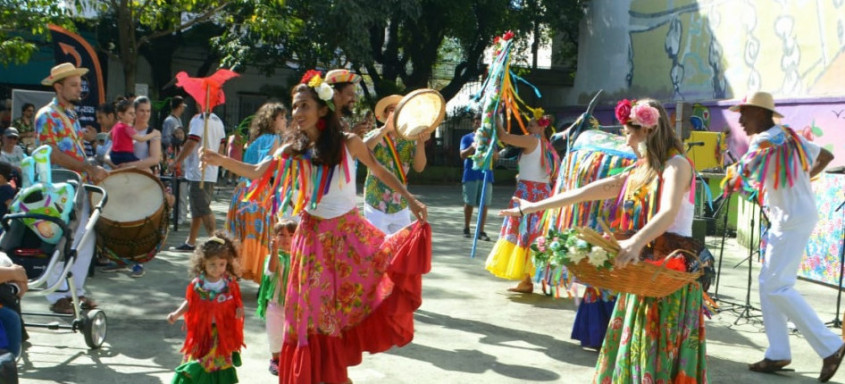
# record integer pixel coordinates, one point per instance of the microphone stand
(836, 322)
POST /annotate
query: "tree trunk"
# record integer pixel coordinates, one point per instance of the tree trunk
(127, 45)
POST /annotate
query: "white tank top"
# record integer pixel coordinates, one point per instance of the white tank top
(683, 222)
(341, 197)
(531, 167)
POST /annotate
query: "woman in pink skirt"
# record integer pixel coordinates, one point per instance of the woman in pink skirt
(351, 289)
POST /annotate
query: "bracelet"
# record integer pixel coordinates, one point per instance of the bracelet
(519, 206)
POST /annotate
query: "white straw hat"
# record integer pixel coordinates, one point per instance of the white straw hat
(61, 71)
(758, 99)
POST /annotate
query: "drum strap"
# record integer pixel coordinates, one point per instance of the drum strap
(397, 163)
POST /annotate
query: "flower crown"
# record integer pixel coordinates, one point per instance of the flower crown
(314, 79)
(637, 113)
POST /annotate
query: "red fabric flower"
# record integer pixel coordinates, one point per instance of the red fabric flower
(507, 36)
(543, 122)
(199, 87)
(623, 111)
(308, 75)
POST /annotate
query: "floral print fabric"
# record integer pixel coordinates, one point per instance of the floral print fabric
(377, 194)
(652, 340)
(251, 224)
(338, 274)
(56, 125)
(510, 257)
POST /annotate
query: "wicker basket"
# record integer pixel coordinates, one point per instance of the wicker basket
(644, 279)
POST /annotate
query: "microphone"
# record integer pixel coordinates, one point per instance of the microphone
(691, 144)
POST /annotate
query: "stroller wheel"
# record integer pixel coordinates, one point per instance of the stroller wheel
(94, 328)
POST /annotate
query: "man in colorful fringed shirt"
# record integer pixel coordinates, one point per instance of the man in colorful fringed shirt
(776, 172)
(384, 207)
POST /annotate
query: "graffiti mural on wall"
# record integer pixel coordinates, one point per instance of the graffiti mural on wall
(710, 50)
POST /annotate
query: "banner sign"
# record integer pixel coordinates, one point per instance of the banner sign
(69, 47)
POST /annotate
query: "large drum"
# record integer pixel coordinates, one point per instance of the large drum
(133, 225)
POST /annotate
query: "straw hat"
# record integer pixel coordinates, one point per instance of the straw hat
(61, 71)
(758, 99)
(341, 76)
(381, 106)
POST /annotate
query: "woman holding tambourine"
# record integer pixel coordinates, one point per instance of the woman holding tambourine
(648, 339)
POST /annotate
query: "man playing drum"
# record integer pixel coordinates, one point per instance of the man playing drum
(384, 207)
(57, 125)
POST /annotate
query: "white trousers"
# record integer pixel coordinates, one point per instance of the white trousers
(388, 223)
(84, 253)
(275, 317)
(780, 301)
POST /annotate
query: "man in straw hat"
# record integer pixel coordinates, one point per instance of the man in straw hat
(344, 83)
(776, 150)
(57, 125)
(384, 207)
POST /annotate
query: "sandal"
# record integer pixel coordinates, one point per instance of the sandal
(769, 366)
(63, 306)
(87, 303)
(831, 363)
(522, 288)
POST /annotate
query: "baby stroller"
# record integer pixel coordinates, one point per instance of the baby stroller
(41, 239)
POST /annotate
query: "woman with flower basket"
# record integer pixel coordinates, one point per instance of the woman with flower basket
(511, 256)
(351, 289)
(649, 339)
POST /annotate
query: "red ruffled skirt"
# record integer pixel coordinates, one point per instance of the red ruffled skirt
(350, 290)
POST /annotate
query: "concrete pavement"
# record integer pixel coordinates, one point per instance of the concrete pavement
(468, 330)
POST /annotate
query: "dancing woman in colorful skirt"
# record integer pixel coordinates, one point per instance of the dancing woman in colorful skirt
(649, 339)
(351, 289)
(511, 256)
(247, 221)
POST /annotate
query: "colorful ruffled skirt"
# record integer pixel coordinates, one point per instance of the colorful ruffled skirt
(511, 255)
(593, 316)
(653, 340)
(210, 369)
(251, 225)
(351, 290)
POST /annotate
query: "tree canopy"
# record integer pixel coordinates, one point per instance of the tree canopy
(397, 43)
(21, 21)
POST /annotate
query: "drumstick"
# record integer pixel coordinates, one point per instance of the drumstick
(204, 133)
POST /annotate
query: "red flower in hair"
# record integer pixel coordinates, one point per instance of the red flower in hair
(543, 122)
(623, 111)
(507, 36)
(308, 75)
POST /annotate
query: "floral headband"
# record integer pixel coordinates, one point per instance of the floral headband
(314, 79)
(539, 115)
(636, 113)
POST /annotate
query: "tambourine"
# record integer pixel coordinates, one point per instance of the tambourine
(419, 112)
